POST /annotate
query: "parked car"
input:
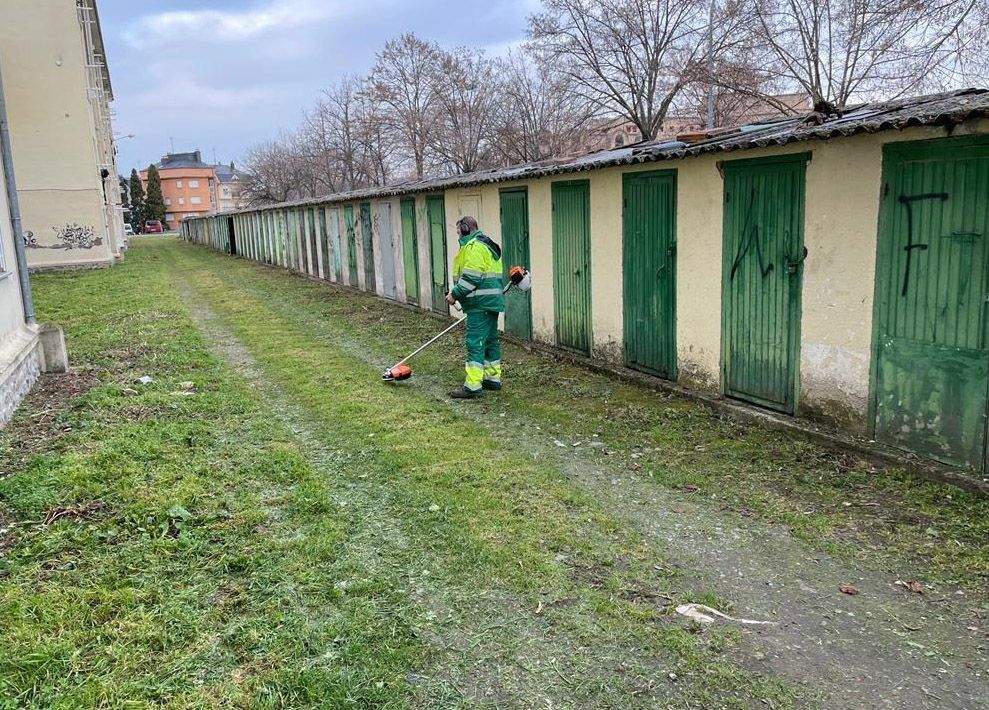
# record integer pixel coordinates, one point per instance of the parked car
(128, 230)
(153, 226)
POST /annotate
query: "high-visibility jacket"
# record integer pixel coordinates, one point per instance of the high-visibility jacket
(477, 273)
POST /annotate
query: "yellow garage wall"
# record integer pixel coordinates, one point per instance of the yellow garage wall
(841, 216)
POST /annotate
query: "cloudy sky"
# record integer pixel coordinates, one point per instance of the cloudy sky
(221, 75)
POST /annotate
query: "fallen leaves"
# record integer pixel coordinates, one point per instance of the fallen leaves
(911, 586)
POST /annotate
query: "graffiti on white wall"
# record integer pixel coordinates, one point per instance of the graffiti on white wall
(67, 236)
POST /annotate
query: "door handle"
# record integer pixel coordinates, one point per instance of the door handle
(793, 266)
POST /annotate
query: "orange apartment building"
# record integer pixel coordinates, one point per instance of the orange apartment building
(188, 186)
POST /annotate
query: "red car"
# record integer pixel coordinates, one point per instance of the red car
(153, 226)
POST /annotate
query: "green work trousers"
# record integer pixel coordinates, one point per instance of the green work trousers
(483, 349)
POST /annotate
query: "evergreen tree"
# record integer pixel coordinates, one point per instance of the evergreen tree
(136, 202)
(154, 202)
(124, 193)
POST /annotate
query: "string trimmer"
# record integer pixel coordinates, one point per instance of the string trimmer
(518, 276)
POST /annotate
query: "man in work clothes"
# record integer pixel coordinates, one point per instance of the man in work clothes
(477, 274)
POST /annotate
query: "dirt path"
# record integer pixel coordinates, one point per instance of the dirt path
(881, 648)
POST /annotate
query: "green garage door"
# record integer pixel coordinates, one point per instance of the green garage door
(515, 243)
(410, 250)
(572, 264)
(367, 246)
(350, 224)
(762, 273)
(436, 217)
(649, 271)
(931, 357)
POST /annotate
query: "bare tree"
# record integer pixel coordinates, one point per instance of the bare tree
(466, 103)
(837, 50)
(625, 57)
(537, 112)
(377, 141)
(403, 80)
(317, 150)
(273, 171)
(332, 121)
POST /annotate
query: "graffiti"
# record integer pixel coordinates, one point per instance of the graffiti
(907, 201)
(68, 236)
(748, 237)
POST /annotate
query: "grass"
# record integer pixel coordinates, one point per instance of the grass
(267, 525)
(837, 502)
(282, 531)
(197, 558)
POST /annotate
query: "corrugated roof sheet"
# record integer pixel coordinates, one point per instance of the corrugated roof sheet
(950, 108)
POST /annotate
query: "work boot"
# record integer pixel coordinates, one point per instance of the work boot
(464, 393)
(492, 385)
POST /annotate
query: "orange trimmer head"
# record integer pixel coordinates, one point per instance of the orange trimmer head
(397, 373)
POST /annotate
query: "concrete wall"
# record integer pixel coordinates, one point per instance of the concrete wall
(54, 136)
(21, 360)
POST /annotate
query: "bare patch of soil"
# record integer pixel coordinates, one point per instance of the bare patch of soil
(40, 420)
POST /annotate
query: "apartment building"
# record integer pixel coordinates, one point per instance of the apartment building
(619, 132)
(188, 185)
(230, 187)
(58, 94)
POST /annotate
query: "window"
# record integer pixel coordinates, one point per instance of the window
(168, 201)
(193, 183)
(195, 200)
(169, 218)
(178, 183)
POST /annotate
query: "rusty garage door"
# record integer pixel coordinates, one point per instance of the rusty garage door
(572, 263)
(762, 273)
(649, 270)
(931, 368)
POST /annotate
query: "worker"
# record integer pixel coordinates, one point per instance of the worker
(477, 275)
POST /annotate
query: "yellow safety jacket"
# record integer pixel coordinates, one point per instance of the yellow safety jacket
(477, 273)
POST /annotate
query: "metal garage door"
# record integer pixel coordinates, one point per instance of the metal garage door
(762, 274)
(931, 358)
(649, 271)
